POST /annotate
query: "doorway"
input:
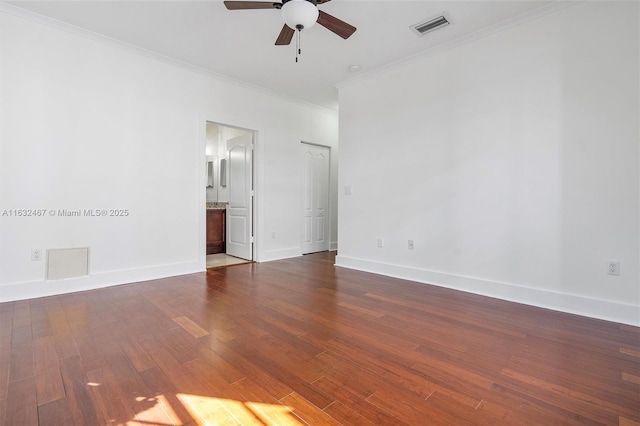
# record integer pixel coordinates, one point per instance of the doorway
(316, 219)
(229, 195)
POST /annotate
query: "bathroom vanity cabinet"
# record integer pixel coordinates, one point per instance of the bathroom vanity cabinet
(216, 228)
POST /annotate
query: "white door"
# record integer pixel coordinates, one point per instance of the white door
(239, 210)
(315, 196)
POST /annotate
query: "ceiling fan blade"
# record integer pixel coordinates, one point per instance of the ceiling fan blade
(285, 36)
(243, 5)
(335, 25)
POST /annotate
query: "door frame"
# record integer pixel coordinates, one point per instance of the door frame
(329, 193)
(257, 129)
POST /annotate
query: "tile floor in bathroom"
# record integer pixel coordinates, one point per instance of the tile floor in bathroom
(222, 259)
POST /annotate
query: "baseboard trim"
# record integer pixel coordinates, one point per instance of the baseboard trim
(272, 255)
(563, 302)
(35, 289)
(333, 246)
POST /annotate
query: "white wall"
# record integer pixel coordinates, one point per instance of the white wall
(512, 161)
(86, 124)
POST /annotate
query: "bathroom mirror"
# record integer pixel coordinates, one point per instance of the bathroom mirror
(223, 172)
(212, 179)
(209, 174)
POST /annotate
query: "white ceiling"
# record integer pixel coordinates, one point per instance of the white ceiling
(240, 44)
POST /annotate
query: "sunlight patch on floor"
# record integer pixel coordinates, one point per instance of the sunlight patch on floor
(161, 410)
(209, 410)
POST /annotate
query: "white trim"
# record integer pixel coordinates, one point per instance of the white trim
(37, 289)
(101, 38)
(272, 255)
(333, 246)
(563, 302)
(467, 38)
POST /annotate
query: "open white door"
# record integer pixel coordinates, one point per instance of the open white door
(315, 196)
(240, 208)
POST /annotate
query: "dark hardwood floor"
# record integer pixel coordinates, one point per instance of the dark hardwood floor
(299, 341)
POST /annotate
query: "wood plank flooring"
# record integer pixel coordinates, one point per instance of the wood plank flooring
(299, 341)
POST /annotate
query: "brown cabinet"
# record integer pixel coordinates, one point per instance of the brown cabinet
(216, 229)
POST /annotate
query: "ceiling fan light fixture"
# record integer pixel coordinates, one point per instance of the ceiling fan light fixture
(299, 14)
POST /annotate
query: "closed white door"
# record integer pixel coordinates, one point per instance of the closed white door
(315, 196)
(240, 208)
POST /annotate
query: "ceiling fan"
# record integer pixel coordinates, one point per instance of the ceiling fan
(297, 15)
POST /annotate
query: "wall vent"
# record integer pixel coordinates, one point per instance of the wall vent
(67, 263)
(432, 24)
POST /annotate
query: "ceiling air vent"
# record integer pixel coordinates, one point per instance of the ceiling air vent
(432, 24)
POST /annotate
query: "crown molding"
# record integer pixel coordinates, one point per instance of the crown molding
(132, 48)
(530, 15)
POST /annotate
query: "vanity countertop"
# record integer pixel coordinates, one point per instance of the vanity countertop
(215, 205)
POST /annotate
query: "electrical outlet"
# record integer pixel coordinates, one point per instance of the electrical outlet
(36, 255)
(613, 267)
(380, 242)
(347, 190)
(410, 244)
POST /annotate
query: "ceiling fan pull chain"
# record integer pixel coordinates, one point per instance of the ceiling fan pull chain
(298, 50)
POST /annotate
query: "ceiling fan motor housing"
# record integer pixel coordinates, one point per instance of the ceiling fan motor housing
(279, 5)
